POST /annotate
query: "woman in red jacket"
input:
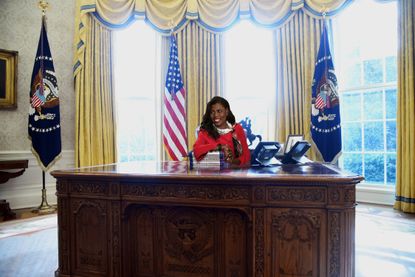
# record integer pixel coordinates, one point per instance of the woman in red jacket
(219, 131)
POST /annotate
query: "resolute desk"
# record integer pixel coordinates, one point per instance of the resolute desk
(162, 219)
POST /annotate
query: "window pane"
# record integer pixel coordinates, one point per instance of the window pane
(352, 137)
(353, 163)
(374, 168)
(256, 113)
(391, 103)
(373, 105)
(352, 76)
(372, 72)
(391, 69)
(134, 133)
(373, 136)
(135, 91)
(365, 52)
(391, 169)
(350, 107)
(250, 76)
(391, 136)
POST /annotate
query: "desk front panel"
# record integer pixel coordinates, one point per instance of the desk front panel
(241, 224)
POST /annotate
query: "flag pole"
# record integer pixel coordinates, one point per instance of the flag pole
(44, 207)
(171, 82)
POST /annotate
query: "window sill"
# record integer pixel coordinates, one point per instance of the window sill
(383, 195)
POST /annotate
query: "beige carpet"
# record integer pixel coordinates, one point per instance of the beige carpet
(29, 247)
(385, 242)
(26, 226)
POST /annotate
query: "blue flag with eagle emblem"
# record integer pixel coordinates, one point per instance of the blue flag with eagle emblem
(44, 117)
(325, 108)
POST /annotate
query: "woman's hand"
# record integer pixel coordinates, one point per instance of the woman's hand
(227, 152)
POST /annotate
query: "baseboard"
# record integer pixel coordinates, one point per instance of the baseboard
(375, 195)
(25, 191)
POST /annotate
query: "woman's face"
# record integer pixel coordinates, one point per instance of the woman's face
(218, 114)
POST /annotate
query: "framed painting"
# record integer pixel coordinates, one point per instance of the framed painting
(8, 79)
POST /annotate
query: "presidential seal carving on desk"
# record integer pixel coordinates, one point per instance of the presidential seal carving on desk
(189, 234)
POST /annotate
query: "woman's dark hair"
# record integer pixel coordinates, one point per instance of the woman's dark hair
(207, 123)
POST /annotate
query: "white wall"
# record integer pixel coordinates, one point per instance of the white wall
(26, 190)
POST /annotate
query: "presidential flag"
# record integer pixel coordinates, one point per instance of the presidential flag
(174, 117)
(325, 109)
(44, 118)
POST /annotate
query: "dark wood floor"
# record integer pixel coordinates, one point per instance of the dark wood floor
(385, 246)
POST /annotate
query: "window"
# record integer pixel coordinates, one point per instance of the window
(250, 76)
(365, 55)
(136, 85)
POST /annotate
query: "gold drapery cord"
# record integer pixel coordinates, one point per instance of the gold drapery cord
(297, 44)
(405, 166)
(200, 62)
(95, 124)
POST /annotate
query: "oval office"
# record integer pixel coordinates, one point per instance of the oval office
(207, 138)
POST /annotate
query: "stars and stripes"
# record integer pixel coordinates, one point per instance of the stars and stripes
(174, 117)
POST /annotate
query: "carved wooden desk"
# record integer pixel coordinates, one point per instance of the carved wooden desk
(161, 219)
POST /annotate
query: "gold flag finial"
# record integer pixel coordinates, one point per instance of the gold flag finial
(43, 5)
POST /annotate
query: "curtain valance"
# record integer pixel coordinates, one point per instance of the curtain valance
(214, 15)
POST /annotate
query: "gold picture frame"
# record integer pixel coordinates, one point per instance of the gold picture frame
(8, 79)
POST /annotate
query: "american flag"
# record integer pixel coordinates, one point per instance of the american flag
(174, 118)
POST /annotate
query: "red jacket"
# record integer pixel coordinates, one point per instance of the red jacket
(206, 143)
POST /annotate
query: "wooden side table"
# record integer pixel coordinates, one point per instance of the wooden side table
(19, 165)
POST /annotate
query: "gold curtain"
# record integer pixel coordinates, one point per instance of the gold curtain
(297, 44)
(95, 124)
(405, 167)
(200, 62)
